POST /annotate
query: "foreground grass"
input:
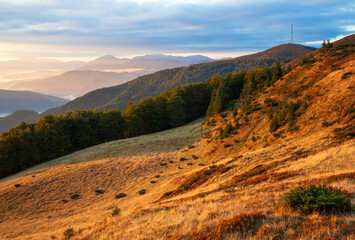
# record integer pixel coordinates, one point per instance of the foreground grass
(146, 145)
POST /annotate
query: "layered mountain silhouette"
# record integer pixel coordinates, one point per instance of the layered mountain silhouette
(154, 84)
(102, 72)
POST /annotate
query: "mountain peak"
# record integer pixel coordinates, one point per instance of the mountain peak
(107, 57)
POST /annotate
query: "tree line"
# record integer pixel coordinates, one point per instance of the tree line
(53, 136)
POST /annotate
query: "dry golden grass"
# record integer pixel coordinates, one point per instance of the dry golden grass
(260, 172)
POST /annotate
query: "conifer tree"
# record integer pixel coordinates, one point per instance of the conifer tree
(215, 106)
(277, 72)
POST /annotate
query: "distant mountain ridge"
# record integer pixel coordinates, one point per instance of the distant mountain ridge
(154, 84)
(153, 62)
(76, 83)
(102, 72)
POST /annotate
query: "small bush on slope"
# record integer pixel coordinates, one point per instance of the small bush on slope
(323, 199)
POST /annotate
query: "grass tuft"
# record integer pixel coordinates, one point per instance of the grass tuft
(142, 191)
(69, 233)
(121, 195)
(75, 196)
(99, 191)
(115, 212)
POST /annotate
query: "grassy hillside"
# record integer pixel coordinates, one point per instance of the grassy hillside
(154, 84)
(226, 185)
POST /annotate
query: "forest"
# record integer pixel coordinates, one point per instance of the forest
(53, 136)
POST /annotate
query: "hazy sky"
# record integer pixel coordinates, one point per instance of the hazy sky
(217, 28)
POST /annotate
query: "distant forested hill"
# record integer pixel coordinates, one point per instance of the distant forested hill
(154, 84)
(11, 101)
(15, 119)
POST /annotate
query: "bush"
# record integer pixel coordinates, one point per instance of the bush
(194, 157)
(322, 199)
(115, 212)
(75, 196)
(142, 191)
(121, 195)
(69, 233)
(17, 185)
(99, 191)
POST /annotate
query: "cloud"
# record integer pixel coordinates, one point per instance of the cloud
(169, 25)
(319, 42)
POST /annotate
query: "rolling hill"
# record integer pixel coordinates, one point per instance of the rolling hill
(201, 181)
(154, 84)
(15, 119)
(11, 101)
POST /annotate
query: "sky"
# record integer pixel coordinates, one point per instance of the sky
(84, 29)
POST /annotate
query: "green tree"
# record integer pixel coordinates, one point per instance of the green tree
(277, 72)
(215, 106)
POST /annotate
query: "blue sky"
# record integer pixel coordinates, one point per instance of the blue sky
(217, 28)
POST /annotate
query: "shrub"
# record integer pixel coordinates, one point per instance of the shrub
(17, 185)
(163, 164)
(194, 157)
(157, 176)
(226, 132)
(142, 191)
(190, 163)
(322, 199)
(226, 145)
(69, 233)
(75, 196)
(115, 212)
(153, 181)
(99, 191)
(121, 195)
(183, 159)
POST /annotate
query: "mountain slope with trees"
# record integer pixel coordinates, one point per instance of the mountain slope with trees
(154, 84)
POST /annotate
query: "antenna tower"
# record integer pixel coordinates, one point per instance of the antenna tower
(291, 33)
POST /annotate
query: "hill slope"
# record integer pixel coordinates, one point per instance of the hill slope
(230, 188)
(15, 119)
(11, 101)
(156, 83)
